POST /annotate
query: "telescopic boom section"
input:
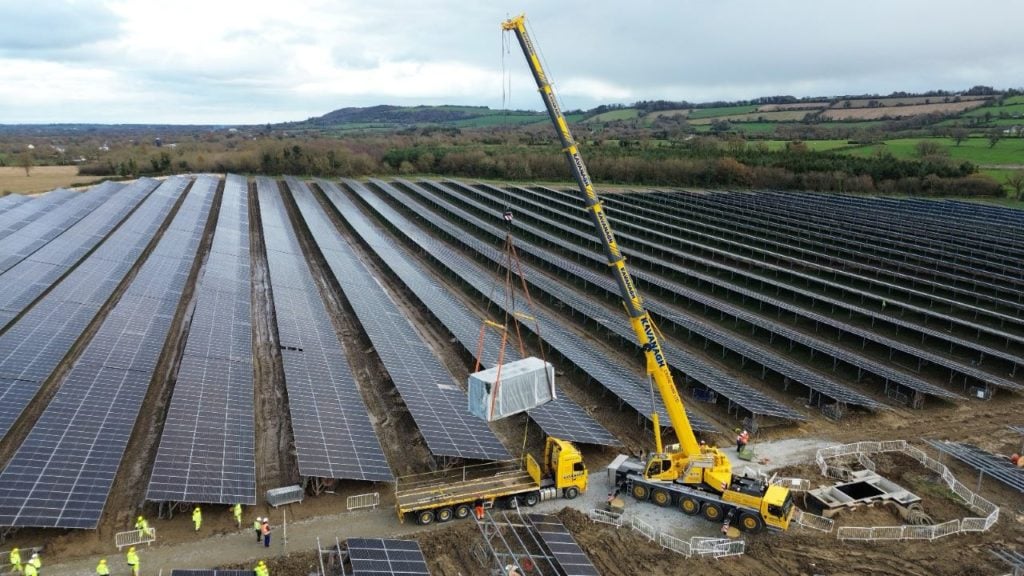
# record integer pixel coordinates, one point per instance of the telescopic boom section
(641, 321)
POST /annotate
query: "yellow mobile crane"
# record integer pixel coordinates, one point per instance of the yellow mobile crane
(695, 478)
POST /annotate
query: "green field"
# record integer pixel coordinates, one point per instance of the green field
(977, 150)
(613, 115)
(995, 111)
(742, 127)
(499, 120)
(816, 145)
(698, 113)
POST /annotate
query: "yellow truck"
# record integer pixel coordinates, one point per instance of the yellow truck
(452, 493)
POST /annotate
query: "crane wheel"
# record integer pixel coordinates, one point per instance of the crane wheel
(462, 511)
(689, 506)
(751, 523)
(444, 514)
(425, 517)
(661, 497)
(641, 492)
(571, 492)
(712, 511)
(531, 499)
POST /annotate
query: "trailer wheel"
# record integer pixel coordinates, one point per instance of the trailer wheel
(751, 523)
(571, 492)
(712, 511)
(425, 517)
(661, 497)
(444, 514)
(641, 492)
(689, 505)
(463, 511)
(512, 502)
(531, 499)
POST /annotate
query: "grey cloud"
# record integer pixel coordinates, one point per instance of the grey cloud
(54, 25)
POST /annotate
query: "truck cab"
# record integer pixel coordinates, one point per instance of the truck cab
(563, 464)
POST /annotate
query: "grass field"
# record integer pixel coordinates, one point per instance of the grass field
(816, 145)
(41, 179)
(613, 115)
(977, 150)
(697, 113)
(779, 116)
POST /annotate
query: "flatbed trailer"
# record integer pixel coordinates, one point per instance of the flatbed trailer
(451, 494)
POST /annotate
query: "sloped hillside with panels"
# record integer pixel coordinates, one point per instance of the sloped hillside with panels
(208, 326)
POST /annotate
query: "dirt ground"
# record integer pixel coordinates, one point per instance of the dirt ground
(41, 179)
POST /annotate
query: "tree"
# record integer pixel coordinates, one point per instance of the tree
(1016, 181)
(26, 161)
(959, 135)
(927, 148)
(993, 138)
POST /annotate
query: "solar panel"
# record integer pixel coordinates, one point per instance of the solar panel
(561, 418)
(709, 375)
(334, 437)
(434, 399)
(207, 451)
(54, 243)
(19, 216)
(211, 572)
(984, 462)
(570, 557)
(624, 383)
(62, 473)
(10, 201)
(383, 557)
(33, 347)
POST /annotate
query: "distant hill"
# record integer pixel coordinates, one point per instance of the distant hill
(385, 117)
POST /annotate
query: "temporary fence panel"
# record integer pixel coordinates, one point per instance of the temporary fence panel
(644, 528)
(360, 501)
(134, 537)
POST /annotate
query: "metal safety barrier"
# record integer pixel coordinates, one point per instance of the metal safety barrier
(605, 517)
(813, 521)
(989, 512)
(360, 501)
(644, 528)
(134, 537)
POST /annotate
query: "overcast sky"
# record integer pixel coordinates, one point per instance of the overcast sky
(257, 61)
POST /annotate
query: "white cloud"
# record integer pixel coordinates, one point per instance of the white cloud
(220, 61)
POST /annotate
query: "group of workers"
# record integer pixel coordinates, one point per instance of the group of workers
(30, 568)
(262, 527)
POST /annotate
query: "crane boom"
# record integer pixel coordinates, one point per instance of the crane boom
(692, 477)
(639, 318)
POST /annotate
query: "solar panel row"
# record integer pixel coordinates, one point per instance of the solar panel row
(561, 418)
(386, 557)
(334, 437)
(207, 451)
(626, 384)
(34, 346)
(886, 372)
(62, 473)
(570, 557)
(434, 400)
(10, 201)
(707, 374)
(24, 213)
(84, 223)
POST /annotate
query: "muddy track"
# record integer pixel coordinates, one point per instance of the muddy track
(276, 464)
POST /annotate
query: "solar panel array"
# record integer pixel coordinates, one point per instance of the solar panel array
(34, 346)
(10, 201)
(985, 462)
(766, 357)
(24, 213)
(334, 437)
(570, 557)
(386, 557)
(207, 451)
(62, 473)
(211, 573)
(626, 384)
(82, 224)
(434, 400)
(707, 374)
(561, 417)
(35, 235)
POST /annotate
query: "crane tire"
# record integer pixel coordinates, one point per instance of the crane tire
(689, 505)
(750, 522)
(712, 511)
(661, 497)
(640, 492)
